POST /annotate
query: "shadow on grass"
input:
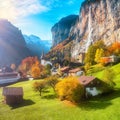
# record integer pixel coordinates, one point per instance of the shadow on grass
(100, 102)
(50, 96)
(24, 103)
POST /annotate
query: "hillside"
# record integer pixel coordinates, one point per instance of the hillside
(48, 107)
(12, 44)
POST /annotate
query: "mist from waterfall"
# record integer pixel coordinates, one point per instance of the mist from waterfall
(90, 29)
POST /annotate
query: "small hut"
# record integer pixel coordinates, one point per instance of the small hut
(13, 95)
(91, 84)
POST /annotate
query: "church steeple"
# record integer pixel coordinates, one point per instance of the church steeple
(42, 56)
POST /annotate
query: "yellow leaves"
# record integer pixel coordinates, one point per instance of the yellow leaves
(66, 89)
(35, 71)
(99, 54)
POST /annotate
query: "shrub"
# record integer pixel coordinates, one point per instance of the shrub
(52, 81)
(39, 86)
(108, 77)
(70, 89)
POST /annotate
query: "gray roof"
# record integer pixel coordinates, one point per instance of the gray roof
(12, 91)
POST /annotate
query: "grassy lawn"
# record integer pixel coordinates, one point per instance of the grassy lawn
(48, 107)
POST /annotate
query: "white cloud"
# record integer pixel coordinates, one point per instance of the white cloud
(15, 9)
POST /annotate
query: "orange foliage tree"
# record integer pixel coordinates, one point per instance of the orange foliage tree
(115, 48)
(29, 63)
(35, 71)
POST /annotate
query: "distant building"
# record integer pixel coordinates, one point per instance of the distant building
(43, 60)
(9, 77)
(76, 72)
(111, 59)
(13, 95)
(65, 70)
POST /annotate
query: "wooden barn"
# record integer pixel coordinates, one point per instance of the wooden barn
(91, 85)
(13, 95)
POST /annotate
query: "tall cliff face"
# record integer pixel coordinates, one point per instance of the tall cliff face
(61, 30)
(98, 20)
(12, 45)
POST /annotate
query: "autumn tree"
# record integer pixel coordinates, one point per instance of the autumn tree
(90, 55)
(114, 48)
(52, 81)
(99, 53)
(27, 64)
(39, 86)
(35, 71)
(70, 89)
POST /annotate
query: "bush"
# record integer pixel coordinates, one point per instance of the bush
(108, 77)
(70, 89)
(38, 86)
(52, 81)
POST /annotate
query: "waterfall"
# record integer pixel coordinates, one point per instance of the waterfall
(90, 29)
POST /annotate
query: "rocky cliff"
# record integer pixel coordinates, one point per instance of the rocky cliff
(98, 20)
(60, 31)
(12, 44)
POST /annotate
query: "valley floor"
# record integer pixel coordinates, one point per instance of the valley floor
(48, 107)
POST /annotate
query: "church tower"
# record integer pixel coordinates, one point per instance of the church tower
(42, 60)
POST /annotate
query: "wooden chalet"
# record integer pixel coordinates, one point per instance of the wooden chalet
(91, 84)
(75, 72)
(13, 95)
(65, 70)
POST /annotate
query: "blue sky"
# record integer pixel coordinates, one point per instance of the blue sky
(37, 16)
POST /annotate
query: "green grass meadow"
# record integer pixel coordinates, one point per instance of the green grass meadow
(48, 107)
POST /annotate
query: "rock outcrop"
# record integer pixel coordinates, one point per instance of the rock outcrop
(60, 31)
(12, 44)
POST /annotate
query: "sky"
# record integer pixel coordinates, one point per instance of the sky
(37, 16)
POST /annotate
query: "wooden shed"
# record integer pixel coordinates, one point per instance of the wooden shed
(13, 95)
(91, 84)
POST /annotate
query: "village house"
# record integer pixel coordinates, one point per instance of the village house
(76, 72)
(111, 59)
(13, 95)
(65, 70)
(91, 85)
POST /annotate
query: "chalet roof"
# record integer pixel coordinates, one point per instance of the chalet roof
(74, 70)
(65, 69)
(12, 91)
(8, 74)
(85, 80)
